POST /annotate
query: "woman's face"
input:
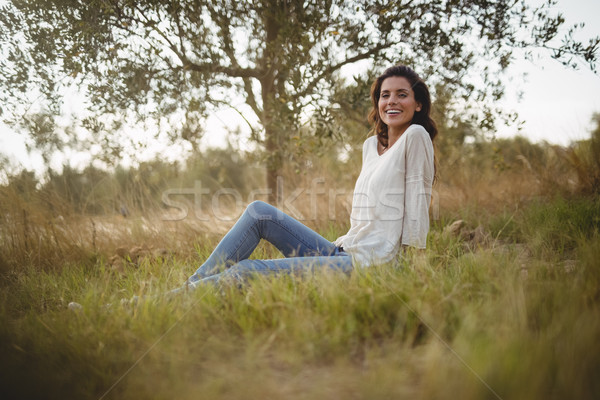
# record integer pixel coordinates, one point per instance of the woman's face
(397, 104)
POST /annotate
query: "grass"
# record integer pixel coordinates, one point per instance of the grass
(514, 317)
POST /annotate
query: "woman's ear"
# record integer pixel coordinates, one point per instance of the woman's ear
(418, 108)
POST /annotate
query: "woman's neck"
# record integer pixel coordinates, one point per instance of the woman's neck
(394, 134)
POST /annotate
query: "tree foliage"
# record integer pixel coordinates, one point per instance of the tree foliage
(172, 62)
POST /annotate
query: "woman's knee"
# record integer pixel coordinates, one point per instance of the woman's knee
(260, 210)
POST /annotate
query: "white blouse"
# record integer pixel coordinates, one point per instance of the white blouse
(390, 205)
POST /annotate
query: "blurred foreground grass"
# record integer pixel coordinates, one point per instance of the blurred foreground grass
(514, 314)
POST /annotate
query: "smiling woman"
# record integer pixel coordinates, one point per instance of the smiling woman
(390, 207)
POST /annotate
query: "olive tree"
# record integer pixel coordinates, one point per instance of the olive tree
(152, 59)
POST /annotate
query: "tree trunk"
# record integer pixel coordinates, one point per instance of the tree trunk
(269, 99)
(274, 164)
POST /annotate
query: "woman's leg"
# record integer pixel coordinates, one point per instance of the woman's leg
(340, 261)
(263, 221)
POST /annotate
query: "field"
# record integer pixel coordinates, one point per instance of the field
(503, 305)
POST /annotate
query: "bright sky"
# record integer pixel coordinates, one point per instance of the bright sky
(557, 104)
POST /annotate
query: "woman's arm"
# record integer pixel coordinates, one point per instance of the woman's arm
(418, 182)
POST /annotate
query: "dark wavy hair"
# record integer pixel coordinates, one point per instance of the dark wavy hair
(422, 96)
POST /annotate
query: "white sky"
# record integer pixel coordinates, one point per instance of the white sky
(557, 103)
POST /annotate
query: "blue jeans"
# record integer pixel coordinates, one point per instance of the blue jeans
(303, 248)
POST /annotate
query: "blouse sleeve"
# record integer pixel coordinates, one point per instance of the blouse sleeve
(418, 182)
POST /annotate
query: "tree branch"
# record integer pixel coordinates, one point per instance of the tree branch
(334, 67)
(180, 33)
(224, 26)
(211, 67)
(153, 26)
